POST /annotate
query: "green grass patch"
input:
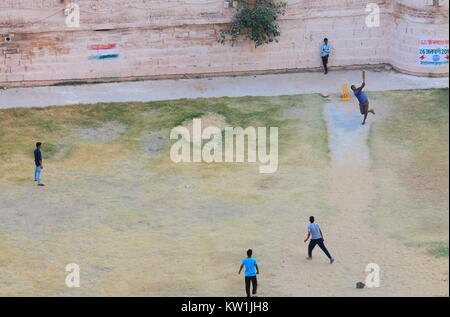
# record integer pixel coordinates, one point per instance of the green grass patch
(50, 151)
(49, 126)
(439, 250)
(23, 127)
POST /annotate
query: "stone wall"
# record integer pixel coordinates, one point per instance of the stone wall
(413, 20)
(171, 38)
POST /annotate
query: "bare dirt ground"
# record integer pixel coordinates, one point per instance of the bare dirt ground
(352, 239)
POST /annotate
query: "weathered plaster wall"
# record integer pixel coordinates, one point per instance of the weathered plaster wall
(413, 20)
(155, 38)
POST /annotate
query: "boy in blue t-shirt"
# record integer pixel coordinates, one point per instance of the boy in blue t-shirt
(362, 98)
(251, 269)
(325, 53)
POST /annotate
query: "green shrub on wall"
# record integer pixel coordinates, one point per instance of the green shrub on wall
(257, 22)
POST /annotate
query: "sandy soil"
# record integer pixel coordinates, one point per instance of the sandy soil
(352, 239)
(207, 120)
(104, 133)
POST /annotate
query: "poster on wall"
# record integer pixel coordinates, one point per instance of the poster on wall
(433, 52)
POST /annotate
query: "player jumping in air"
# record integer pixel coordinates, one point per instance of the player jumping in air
(362, 98)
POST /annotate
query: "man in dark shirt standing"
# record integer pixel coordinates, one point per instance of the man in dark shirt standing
(38, 164)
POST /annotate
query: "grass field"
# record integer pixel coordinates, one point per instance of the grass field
(122, 212)
(117, 205)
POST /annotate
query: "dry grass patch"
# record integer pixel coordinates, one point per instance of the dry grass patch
(410, 150)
